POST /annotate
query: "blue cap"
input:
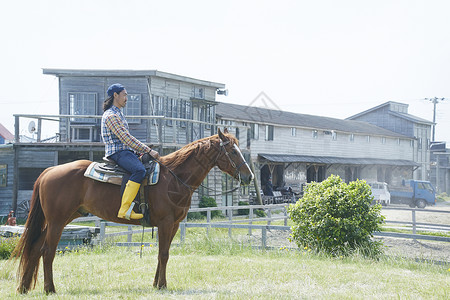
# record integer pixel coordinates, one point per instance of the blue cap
(115, 88)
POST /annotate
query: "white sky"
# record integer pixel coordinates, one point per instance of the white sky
(321, 57)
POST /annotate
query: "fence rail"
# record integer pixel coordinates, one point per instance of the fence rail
(275, 212)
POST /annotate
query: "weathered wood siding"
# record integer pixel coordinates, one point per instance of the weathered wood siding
(30, 158)
(145, 130)
(6, 193)
(305, 144)
(381, 117)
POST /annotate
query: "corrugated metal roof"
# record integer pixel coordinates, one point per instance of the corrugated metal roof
(269, 116)
(395, 113)
(290, 158)
(128, 73)
(411, 117)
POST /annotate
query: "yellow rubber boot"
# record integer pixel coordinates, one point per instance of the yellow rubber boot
(126, 210)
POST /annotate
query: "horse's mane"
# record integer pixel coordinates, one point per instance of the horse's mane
(174, 159)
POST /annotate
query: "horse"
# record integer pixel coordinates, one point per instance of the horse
(62, 193)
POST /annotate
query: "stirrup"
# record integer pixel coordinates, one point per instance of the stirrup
(129, 211)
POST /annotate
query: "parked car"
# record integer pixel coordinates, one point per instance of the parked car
(380, 192)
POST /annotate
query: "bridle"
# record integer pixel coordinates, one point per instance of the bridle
(222, 144)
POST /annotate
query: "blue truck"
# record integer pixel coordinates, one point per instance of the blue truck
(414, 193)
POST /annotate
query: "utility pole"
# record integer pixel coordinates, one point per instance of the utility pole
(435, 100)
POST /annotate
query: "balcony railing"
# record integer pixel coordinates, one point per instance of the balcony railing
(160, 130)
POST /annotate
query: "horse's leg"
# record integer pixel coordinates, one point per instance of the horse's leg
(165, 235)
(31, 266)
(52, 238)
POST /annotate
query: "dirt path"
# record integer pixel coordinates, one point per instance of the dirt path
(397, 247)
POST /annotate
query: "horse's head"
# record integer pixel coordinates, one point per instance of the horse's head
(231, 160)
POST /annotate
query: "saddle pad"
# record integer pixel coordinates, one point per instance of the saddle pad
(93, 173)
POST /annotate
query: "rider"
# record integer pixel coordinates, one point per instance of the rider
(119, 146)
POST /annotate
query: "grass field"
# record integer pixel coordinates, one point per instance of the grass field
(216, 268)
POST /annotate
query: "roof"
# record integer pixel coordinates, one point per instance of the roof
(5, 133)
(410, 117)
(128, 73)
(395, 113)
(278, 117)
(291, 158)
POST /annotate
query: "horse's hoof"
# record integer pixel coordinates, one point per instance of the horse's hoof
(22, 290)
(50, 291)
(162, 287)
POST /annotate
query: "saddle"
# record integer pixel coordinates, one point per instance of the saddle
(109, 172)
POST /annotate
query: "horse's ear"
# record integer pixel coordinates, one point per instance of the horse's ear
(221, 135)
(225, 130)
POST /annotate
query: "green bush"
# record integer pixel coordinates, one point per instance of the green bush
(195, 215)
(337, 218)
(209, 202)
(443, 197)
(243, 211)
(7, 246)
(260, 213)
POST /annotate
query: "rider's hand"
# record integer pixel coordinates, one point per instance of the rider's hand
(154, 154)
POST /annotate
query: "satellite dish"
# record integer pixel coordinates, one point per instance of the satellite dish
(32, 127)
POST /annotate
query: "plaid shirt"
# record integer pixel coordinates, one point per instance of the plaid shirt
(116, 136)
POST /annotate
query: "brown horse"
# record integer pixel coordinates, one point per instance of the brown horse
(62, 193)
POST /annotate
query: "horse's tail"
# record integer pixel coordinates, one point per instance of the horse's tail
(29, 259)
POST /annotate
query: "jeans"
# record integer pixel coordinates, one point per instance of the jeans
(130, 162)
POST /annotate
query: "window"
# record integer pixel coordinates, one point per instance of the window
(133, 108)
(419, 145)
(83, 104)
(315, 134)
(368, 138)
(254, 130)
(398, 141)
(352, 137)
(207, 115)
(168, 109)
(3, 175)
(383, 140)
(293, 131)
(198, 93)
(269, 132)
(157, 102)
(334, 135)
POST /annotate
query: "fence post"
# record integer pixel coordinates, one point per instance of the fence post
(269, 216)
(251, 218)
(230, 218)
(182, 232)
(130, 234)
(102, 231)
(208, 220)
(285, 216)
(264, 237)
(414, 221)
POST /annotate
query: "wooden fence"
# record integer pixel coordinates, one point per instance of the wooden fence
(274, 212)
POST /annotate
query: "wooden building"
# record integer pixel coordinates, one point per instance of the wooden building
(394, 116)
(294, 149)
(165, 110)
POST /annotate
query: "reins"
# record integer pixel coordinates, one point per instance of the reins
(192, 189)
